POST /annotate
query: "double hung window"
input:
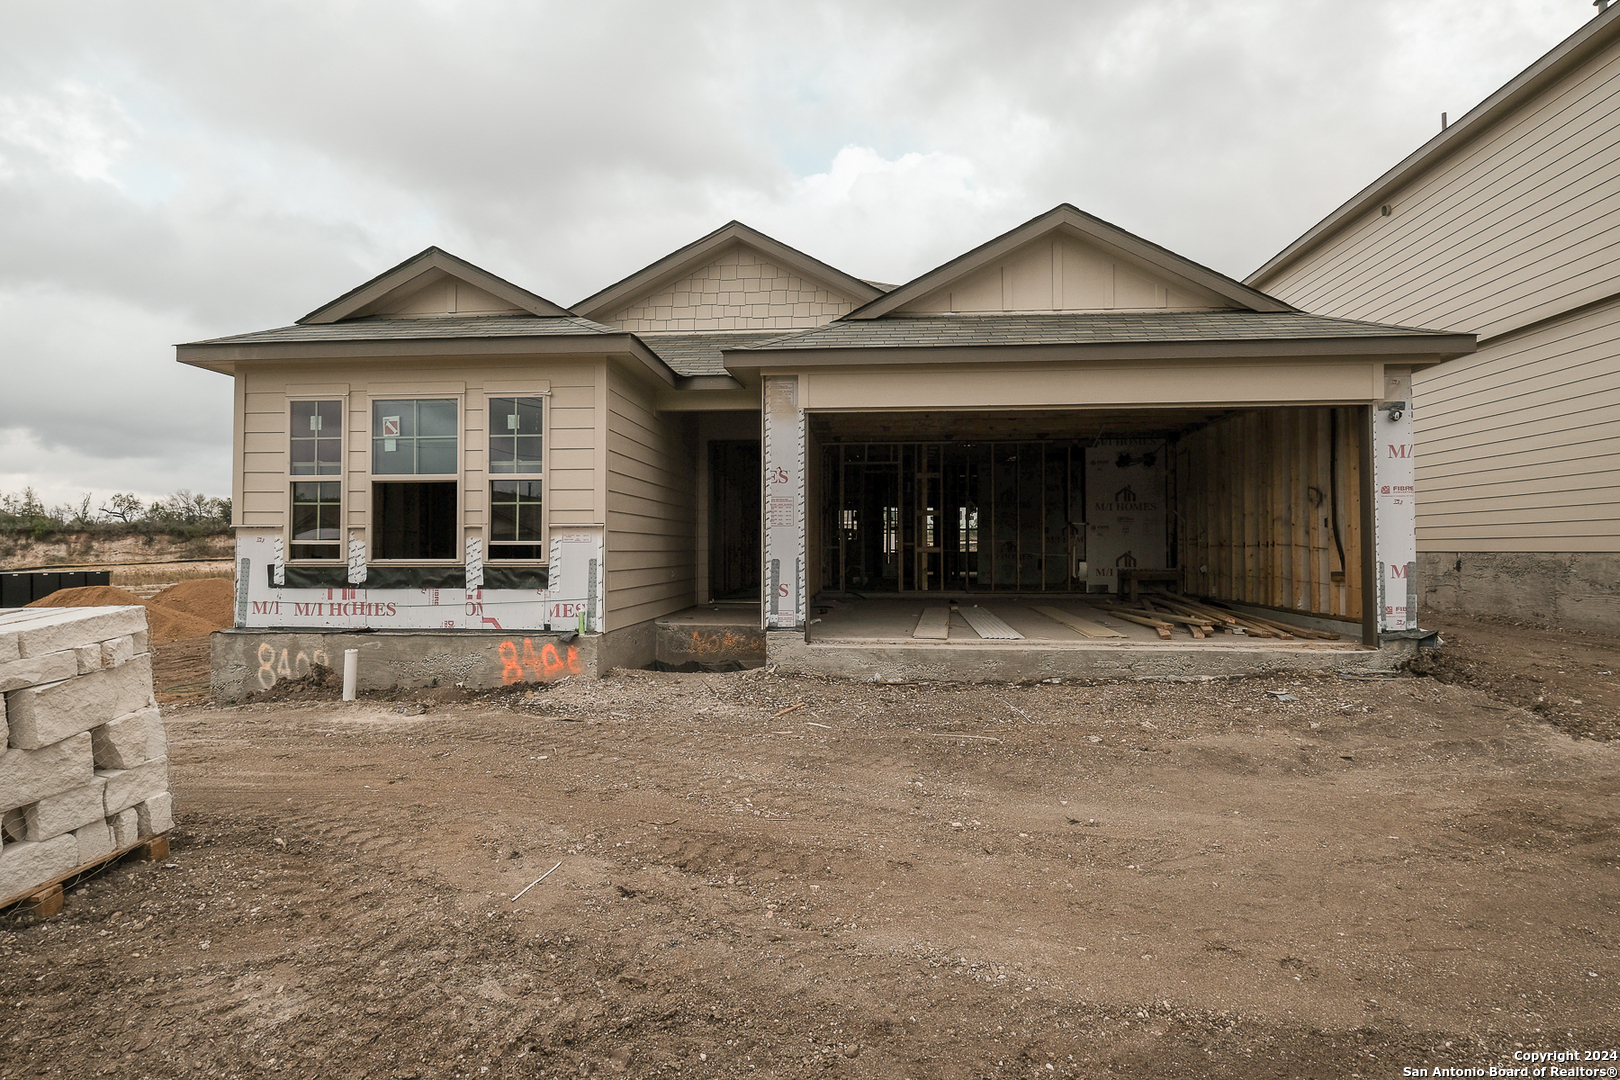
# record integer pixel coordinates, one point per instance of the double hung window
(516, 465)
(315, 449)
(414, 518)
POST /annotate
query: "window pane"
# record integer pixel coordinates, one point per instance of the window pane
(435, 455)
(528, 454)
(328, 456)
(436, 418)
(502, 454)
(303, 457)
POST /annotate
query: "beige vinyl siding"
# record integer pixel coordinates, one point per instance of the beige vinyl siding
(571, 439)
(1519, 445)
(1522, 222)
(264, 452)
(570, 449)
(651, 508)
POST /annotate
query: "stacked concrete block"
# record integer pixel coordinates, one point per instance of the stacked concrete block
(84, 771)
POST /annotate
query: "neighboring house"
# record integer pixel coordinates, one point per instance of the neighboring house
(442, 452)
(1505, 225)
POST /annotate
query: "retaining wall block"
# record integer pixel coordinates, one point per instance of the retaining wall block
(88, 657)
(120, 650)
(127, 741)
(68, 810)
(155, 815)
(126, 787)
(95, 841)
(126, 827)
(9, 648)
(56, 629)
(31, 863)
(35, 670)
(41, 715)
(29, 775)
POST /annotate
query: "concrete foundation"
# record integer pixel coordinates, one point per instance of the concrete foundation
(1577, 590)
(244, 661)
(718, 634)
(1019, 661)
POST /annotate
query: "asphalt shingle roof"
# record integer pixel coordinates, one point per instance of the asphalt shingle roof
(472, 326)
(932, 331)
(701, 353)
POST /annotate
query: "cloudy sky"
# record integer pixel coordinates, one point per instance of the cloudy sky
(172, 170)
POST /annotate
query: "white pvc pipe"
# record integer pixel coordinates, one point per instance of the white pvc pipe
(351, 672)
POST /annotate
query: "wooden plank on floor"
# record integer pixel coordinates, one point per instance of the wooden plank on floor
(934, 624)
(1076, 623)
(987, 625)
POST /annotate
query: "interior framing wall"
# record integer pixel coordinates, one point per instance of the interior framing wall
(1256, 495)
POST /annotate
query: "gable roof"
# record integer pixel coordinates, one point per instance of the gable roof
(415, 273)
(1598, 33)
(1069, 220)
(677, 264)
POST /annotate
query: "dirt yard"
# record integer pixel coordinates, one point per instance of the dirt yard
(748, 875)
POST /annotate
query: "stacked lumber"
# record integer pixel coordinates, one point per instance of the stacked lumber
(84, 768)
(1167, 611)
(1233, 621)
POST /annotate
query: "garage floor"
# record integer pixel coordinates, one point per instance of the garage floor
(1047, 620)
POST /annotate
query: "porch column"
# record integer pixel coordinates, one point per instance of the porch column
(1394, 488)
(783, 601)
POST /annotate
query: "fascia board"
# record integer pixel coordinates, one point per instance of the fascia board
(1084, 226)
(1434, 349)
(226, 357)
(1599, 32)
(418, 265)
(683, 261)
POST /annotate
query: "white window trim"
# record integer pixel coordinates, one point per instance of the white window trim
(490, 549)
(459, 477)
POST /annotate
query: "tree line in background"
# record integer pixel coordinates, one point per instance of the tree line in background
(180, 514)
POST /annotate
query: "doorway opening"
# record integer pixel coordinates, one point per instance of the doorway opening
(734, 522)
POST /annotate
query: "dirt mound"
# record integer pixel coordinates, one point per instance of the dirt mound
(213, 599)
(164, 623)
(90, 596)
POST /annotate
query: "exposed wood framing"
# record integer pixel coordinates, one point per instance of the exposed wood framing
(1270, 503)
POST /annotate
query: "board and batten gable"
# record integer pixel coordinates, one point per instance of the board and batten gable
(1057, 272)
(651, 504)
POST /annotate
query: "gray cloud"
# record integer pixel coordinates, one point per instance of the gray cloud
(189, 169)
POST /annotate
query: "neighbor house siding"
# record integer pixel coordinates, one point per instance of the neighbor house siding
(651, 516)
(1519, 445)
(1517, 225)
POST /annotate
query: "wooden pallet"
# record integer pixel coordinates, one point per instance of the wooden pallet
(45, 899)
